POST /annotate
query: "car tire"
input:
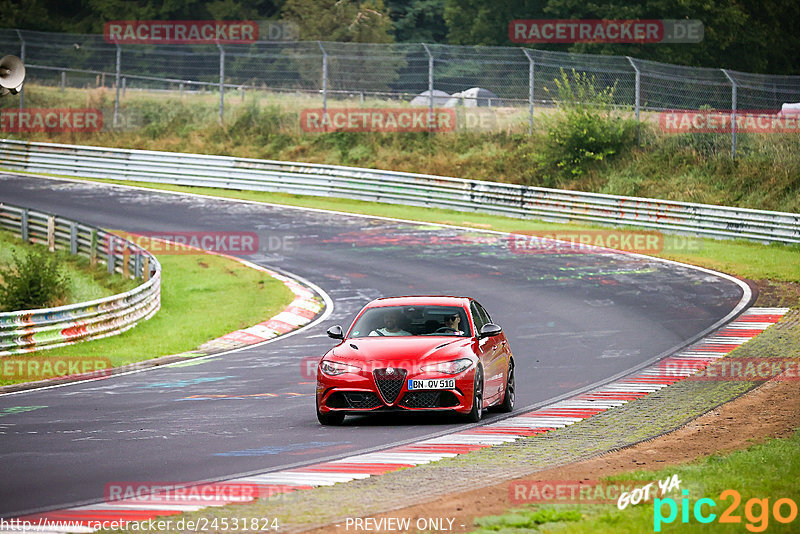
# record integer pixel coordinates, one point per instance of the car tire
(330, 418)
(510, 394)
(474, 415)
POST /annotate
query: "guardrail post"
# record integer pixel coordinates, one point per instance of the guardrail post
(733, 112)
(530, 90)
(126, 257)
(221, 82)
(23, 223)
(324, 86)
(146, 269)
(637, 101)
(93, 249)
(137, 264)
(110, 258)
(124, 84)
(430, 85)
(109, 315)
(22, 57)
(117, 84)
(63, 80)
(73, 238)
(51, 233)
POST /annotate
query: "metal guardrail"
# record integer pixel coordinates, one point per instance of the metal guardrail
(31, 330)
(399, 188)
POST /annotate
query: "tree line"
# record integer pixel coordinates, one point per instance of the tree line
(746, 35)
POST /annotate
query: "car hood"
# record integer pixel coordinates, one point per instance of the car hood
(401, 351)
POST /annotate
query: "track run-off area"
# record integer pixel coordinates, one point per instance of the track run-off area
(573, 320)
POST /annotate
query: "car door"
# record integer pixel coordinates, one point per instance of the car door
(496, 359)
(486, 352)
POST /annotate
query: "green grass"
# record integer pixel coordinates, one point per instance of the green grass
(202, 297)
(767, 471)
(742, 258)
(687, 167)
(85, 282)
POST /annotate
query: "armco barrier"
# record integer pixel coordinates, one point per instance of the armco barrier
(30, 330)
(399, 188)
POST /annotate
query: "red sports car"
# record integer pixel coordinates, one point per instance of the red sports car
(416, 354)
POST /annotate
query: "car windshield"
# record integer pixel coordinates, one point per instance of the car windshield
(412, 321)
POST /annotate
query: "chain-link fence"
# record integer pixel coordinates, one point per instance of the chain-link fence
(513, 76)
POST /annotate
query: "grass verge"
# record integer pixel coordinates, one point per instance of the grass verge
(86, 282)
(765, 473)
(203, 297)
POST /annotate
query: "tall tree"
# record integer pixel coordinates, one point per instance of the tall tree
(477, 22)
(418, 21)
(747, 35)
(340, 20)
(89, 16)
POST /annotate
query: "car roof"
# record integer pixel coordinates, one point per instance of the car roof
(421, 300)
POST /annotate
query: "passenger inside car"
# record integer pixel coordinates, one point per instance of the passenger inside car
(391, 325)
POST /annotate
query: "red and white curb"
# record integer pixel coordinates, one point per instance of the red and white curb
(305, 306)
(560, 414)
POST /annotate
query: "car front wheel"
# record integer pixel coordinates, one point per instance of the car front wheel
(508, 399)
(330, 418)
(476, 413)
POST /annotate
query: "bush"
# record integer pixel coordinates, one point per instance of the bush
(586, 131)
(35, 281)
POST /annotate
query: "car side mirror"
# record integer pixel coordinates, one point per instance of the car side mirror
(336, 332)
(490, 330)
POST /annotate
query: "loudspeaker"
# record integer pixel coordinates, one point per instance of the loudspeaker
(12, 74)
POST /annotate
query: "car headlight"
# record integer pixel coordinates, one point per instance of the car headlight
(336, 368)
(452, 367)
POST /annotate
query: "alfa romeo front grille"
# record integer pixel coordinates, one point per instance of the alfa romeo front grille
(389, 381)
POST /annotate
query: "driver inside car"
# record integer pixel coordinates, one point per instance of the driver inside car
(451, 325)
(391, 326)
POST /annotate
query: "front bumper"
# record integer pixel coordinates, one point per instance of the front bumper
(363, 392)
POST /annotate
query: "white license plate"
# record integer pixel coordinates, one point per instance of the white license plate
(432, 383)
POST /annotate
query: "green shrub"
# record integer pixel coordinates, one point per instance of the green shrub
(707, 144)
(586, 131)
(256, 123)
(34, 281)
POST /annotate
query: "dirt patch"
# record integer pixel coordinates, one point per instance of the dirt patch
(769, 411)
(777, 294)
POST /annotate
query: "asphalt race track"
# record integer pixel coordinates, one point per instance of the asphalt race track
(572, 320)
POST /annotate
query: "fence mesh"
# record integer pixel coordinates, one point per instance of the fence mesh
(399, 70)
(508, 76)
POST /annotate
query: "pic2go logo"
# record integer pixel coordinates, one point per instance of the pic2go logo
(756, 511)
